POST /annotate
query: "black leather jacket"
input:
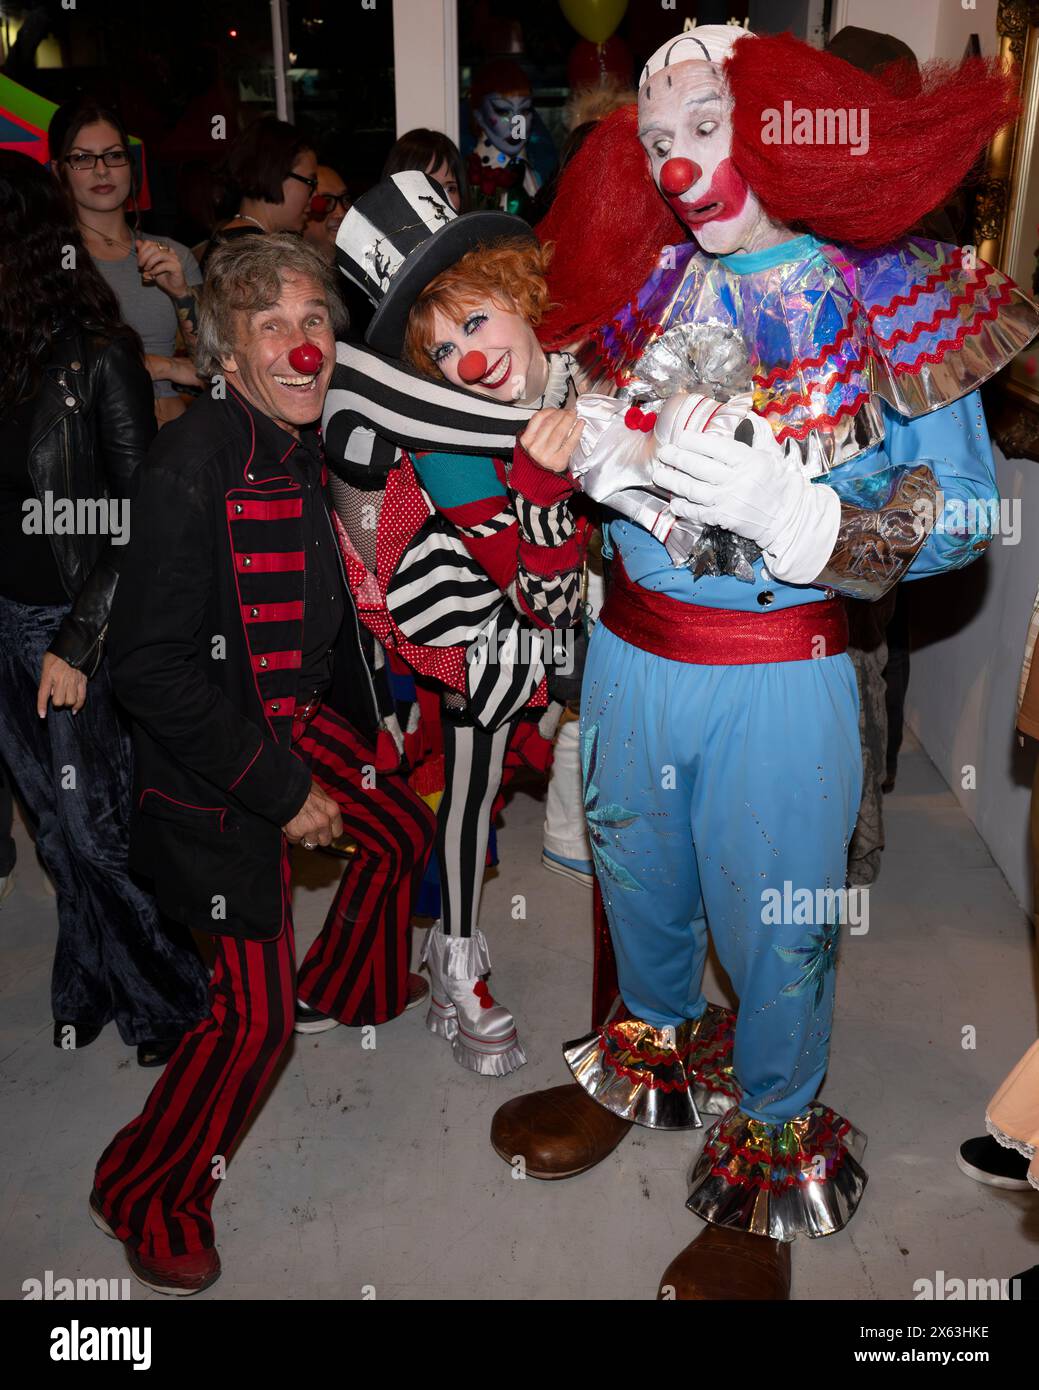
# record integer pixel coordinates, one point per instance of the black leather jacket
(92, 422)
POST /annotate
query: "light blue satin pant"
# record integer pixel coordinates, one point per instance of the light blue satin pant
(714, 796)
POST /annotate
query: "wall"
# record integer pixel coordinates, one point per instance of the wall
(425, 53)
(931, 28)
(969, 630)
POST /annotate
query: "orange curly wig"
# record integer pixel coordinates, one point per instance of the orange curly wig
(511, 273)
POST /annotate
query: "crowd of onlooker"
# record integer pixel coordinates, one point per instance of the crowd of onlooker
(96, 356)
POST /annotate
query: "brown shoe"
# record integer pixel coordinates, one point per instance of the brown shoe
(724, 1264)
(558, 1133)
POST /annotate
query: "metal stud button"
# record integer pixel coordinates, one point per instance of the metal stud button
(254, 612)
(76, 366)
(238, 509)
(246, 560)
(766, 597)
(251, 477)
(70, 400)
(263, 663)
(275, 707)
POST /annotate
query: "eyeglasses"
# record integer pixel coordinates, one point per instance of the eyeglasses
(85, 159)
(322, 203)
(311, 183)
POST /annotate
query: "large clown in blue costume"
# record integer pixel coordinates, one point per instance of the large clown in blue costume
(780, 419)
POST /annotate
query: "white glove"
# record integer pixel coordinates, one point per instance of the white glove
(609, 456)
(654, 514)
(757, 492)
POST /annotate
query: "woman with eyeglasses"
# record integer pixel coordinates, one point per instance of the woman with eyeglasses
(75, 421)
(326, 211)
(273, 172)
(154, 280)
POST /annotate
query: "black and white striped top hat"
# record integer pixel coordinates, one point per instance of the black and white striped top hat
(399, 236)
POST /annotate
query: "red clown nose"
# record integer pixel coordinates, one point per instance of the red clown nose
(306, 358)
(679, 174)
(472, 367)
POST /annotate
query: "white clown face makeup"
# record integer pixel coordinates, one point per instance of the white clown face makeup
(512, 366)
(505, 120)
(685, 126)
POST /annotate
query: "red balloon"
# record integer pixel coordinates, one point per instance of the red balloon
(590, 64)
(472, 367)
(679, 174)
(306, 358)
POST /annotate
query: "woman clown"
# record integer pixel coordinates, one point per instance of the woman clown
(844, 450)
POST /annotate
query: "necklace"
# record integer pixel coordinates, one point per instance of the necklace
(244, 217)
(108, 240)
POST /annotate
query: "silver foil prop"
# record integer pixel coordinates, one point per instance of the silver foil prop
(710, 358)
(660, 1078)
(801, 1178)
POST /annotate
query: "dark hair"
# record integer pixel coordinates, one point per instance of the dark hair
(47, 278)
(261, 158)
(427, 149)
(68, 121)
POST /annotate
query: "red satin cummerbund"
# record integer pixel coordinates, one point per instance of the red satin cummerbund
(703, 636)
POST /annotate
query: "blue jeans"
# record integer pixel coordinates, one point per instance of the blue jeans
(114, 959)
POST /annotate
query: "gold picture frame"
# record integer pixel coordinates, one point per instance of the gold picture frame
(1007, 225)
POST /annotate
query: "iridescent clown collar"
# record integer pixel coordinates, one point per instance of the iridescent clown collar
(832, 333)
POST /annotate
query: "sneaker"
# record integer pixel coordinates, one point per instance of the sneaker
(310, 1021)
(176, 1275)
(986, 1161)
(580, 870)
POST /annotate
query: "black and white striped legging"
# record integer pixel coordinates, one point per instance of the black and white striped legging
(473, 761)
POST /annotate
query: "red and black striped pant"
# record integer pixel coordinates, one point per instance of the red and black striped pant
(157, 1178)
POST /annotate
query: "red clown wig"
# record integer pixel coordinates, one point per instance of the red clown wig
(926, 131)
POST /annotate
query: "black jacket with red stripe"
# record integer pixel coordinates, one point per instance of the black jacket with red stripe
(205, 646)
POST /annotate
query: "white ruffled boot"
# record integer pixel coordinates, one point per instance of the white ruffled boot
(482, 1033)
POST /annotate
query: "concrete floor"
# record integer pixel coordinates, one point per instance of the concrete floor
(370, 1171)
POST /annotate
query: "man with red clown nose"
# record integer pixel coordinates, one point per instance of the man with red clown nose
(792, 380)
